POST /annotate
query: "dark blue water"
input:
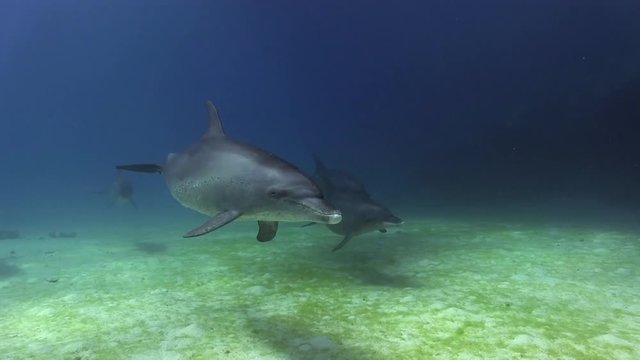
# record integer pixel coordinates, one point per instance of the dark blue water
(430, 103)
(504, 133)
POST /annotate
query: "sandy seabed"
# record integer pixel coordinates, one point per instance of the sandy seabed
(431, 289)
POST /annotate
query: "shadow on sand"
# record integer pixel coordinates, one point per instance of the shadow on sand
(150, 248)
(292, 340)
(8, 270)
(375, 260)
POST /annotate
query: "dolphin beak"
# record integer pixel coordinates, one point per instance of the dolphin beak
(394, 221)
(334, 218)
(320, 211)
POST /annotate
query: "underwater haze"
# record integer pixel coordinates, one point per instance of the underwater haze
(484, 157)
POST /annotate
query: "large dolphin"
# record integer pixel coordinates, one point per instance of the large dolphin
(228, 180)
(360, 213)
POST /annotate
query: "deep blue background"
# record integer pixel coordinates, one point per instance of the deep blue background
(429, 102)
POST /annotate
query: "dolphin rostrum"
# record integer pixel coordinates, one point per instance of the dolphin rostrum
(227, 180)
(360, 213)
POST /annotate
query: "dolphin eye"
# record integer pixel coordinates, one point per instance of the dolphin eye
(277, 194)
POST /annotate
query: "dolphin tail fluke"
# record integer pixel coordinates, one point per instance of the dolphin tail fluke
(342, 243)
(132, 203)
(216, 222)
(144, 168)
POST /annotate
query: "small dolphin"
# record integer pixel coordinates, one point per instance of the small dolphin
(122, 190)
(333, 181)
(228, 180)
(360, 213)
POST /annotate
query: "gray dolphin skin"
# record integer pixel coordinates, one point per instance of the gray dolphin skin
(332, 181)
(360, 213)
(228, 180)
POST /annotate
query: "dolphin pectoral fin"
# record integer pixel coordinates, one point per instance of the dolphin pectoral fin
(145, 168)
(321, 169)
(343, 242)
(267, 230)
(383, 230)
(309, 224)
(217, 221)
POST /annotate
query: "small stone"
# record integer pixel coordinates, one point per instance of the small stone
(256, 290)
(321, 343)
(407, 299)
(613, 340)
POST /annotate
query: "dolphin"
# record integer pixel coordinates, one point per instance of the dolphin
(333, 181)
(360, 213)
(228, 180)
(122, 190)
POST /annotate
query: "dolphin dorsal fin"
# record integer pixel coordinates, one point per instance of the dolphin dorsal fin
(215, 126)
(321, 169)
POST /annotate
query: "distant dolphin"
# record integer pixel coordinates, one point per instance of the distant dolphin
(122, 190)
(360, 213)
(228, 180)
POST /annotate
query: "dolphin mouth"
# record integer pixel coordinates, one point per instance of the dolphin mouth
(395, 221)
(334, 218)
(323, 213)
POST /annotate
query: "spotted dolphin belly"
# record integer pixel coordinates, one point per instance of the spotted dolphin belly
(207, 196)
